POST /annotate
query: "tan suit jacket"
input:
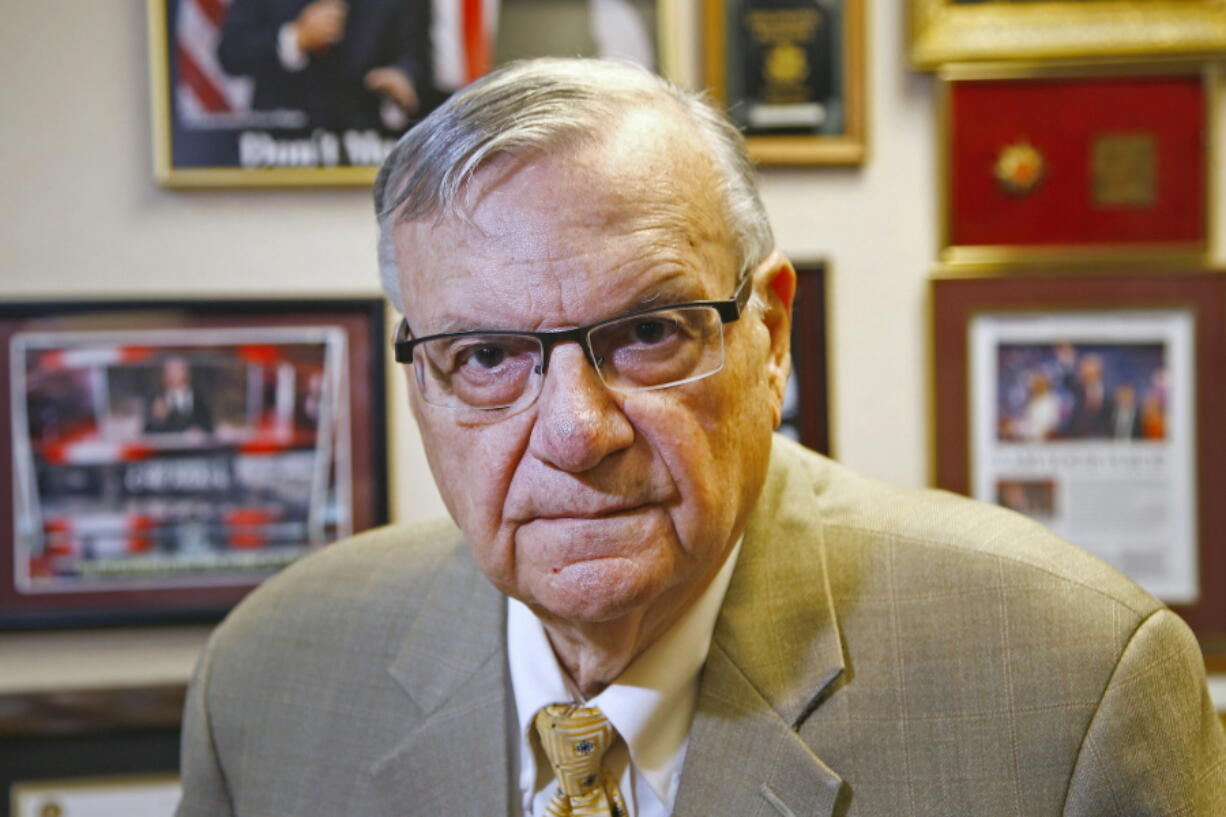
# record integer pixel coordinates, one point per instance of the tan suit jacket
(880, 651)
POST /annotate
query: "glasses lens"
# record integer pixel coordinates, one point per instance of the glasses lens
(662, 348)
(478, 371)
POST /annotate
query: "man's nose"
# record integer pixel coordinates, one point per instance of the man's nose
(578, 421)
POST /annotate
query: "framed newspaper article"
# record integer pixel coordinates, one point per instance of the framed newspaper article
(1092, 404)
(1076, 163)
(261, 93)
(165, 457)
(943, 31)
(792, 75)
(806, 405)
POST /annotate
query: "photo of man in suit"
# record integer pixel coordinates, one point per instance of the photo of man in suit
(646, 603)
(344, 63)
(176, 406)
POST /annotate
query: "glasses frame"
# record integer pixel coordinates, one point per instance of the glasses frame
(729, 310)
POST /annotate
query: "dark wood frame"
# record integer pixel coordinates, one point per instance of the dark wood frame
(363, 320)
(956, 299)
(810, 355)
(87, 734)
(847, 148)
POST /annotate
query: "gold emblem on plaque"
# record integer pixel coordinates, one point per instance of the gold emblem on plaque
(786, 63)
(1019, 168)
(1123, 170)
(51, 809)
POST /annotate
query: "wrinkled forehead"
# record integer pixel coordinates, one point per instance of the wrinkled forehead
(642, 200)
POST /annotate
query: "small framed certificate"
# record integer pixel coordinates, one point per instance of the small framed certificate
(792, 75)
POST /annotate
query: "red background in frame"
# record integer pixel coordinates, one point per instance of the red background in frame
(1060, 117)
(363, 324)
(956, 300)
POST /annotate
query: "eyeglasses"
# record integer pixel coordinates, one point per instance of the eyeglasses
(647, 349)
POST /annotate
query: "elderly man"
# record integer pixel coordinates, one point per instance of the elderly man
(646, 605)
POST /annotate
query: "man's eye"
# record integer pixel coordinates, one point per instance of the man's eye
(487, 357)
(652, 331)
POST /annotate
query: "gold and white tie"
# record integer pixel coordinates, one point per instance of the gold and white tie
(575, 739)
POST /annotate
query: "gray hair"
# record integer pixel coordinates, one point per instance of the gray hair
(537, 106)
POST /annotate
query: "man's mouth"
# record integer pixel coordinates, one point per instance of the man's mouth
(600, 513)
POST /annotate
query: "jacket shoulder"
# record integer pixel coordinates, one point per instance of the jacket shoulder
(381, 575)
(938, 530)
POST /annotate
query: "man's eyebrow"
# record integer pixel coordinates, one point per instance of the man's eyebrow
(681, 287)
(672, 290)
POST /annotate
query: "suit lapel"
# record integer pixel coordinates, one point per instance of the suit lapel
(452, 666)
(775, 654)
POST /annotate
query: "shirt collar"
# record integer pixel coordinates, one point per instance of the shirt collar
(650, 704)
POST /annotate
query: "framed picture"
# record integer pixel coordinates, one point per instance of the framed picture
(1091, 403)
(1065, 164)
(165, 457)
(792, 75)
(90, 752)
(806, 407)
(944, 31)
(271, 94)
(140, 796)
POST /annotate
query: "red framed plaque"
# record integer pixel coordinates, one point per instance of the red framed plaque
(1076, 162)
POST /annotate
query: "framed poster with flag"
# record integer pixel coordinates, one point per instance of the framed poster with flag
(166, 457)
(284, 92)
(315, 92)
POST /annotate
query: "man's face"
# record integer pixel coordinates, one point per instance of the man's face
(176, 374)
(592, 504)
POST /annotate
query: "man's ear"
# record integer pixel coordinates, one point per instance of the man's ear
(779, 277)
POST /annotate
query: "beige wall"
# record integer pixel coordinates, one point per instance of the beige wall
(83, 217)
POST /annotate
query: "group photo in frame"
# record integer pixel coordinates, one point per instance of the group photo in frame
(1091, 403)
(944, 31)
(1121, 175)
(166, 457)
(792, 75)
(241, 98)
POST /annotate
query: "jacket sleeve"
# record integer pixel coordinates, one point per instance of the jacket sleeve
(414, 50)
(1155, 745)
(248, 45)
(205, 793)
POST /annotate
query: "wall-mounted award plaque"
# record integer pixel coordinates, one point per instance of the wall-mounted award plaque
(1076, 162)
(792, 75)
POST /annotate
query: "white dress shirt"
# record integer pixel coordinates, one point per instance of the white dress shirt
(650, 704)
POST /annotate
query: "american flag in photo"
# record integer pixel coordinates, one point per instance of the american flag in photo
(205, 94)
(462, 34)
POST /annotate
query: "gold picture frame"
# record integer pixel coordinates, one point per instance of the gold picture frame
(199, 164)
(971, 255)
(943, 31)
(243, 143)
(847, 146)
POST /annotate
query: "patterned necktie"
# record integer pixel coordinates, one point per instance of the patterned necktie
(575, 739)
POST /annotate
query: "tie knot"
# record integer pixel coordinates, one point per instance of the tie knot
(575, 739)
